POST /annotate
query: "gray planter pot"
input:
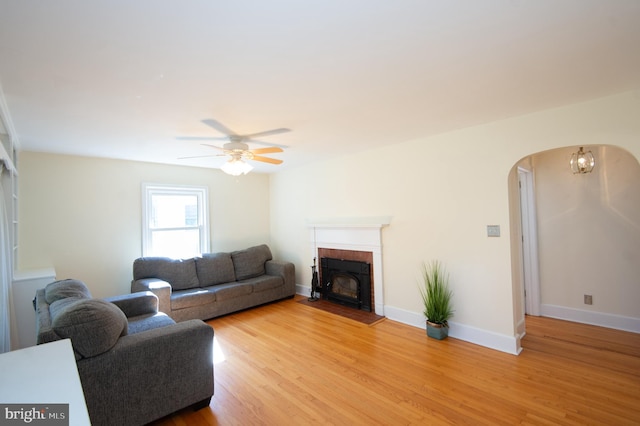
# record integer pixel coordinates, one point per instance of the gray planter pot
(437, 331)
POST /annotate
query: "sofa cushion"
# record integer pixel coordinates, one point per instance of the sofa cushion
(94, 326)
(230, 291)
(264, 283)
(65, 288)
(180, 273)
(187, 298)
(215, 268)
(249, 263)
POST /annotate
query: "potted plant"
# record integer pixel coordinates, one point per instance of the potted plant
(436, 296)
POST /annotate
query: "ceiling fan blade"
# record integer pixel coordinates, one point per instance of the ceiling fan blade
(270, 150)
(266, 133)
(270, 144)
(219, 127)
(201, 156)
(266, 159)
(212, 146)
(202, 138)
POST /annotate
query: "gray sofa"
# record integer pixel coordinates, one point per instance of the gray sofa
(216, 283)
(135, 364)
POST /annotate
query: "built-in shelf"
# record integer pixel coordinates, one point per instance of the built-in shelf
(9, 148)
(7, 159)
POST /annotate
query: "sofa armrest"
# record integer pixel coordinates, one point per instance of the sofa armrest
(160, 288)
(286, 270)
(135, 304)
(159, 370)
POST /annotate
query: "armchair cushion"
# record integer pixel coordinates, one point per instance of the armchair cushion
(66, 288)
(94, 326)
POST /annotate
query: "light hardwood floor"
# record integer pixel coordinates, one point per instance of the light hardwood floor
(290, 364)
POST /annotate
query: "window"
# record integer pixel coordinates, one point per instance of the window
(174, 221)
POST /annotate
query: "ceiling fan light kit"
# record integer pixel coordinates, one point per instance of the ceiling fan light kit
(236, 167)
(238, 150)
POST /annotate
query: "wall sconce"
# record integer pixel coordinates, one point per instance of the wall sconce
(582, 162)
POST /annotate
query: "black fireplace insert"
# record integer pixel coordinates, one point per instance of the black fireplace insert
(347, 282)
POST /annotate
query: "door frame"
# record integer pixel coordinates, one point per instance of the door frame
(529, 242)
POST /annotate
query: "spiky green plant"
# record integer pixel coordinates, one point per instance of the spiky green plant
(436, 294)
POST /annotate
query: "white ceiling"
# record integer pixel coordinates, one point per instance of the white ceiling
(123, 78)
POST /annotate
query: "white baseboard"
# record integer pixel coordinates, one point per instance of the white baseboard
(520, 332)
(478, 336)
(303, 290)
(601, 319)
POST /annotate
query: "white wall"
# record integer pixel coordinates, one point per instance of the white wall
(589, 231)
(441, 193)
(83, 217)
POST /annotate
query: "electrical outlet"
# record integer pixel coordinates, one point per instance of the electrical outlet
(588, 299)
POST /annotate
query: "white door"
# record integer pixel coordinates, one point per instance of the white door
(530, 272)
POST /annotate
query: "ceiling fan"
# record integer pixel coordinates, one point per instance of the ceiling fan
(237, 148)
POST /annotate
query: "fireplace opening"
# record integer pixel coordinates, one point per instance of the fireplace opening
(343, 285)
(346, 282)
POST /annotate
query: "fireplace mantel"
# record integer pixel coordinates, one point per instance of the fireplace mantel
(358, 234)
(350, 222)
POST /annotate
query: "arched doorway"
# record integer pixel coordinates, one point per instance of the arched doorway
(587, 231)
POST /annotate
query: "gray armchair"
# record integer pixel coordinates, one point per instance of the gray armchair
(135, 364)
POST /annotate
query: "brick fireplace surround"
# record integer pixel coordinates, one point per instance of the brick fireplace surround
(353, 239)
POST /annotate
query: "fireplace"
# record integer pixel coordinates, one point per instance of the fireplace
(346, 282)
(359, 237)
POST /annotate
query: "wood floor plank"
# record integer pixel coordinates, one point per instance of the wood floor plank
(287, 363)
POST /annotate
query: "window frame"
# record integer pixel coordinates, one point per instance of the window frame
(202, 194)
